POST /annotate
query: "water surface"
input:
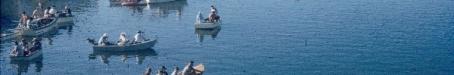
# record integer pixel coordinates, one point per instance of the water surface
(266, 37)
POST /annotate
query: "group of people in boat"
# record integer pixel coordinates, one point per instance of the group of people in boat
(24, 48)
(187, 70)
(123, 40)
(41, 16)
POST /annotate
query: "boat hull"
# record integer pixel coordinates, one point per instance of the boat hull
(65, 19)
(133, 4)
(141, 46)
(206, 25)
(158, 1)
(35, 55)
(36, 32)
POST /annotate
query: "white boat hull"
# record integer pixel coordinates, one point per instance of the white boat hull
(206, 25)
(36, 32)
(141, 46)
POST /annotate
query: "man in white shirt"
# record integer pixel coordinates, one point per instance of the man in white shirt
(138, 38)
(123, 40)
(103, 40)
(53, 11)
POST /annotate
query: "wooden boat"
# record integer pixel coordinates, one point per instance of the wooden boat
(38, 30)
(128, 47)
(201, 24)
(199, 69)
(33, 55)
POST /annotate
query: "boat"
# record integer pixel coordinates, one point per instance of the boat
(158, 1)
(199, 69)
(65, 19)
(22, 31)
(201, 24)
(128, 47)
(141, 3)
(34, 55)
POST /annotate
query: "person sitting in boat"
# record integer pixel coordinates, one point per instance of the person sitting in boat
(17, 50)
(175, 71)
(67, 11)
(138, 38)
(213, 9)
(103, 40)
(53, 11)
(24, 20)
(162, 71)
(37, 13)
(36, 44)
(188, 69)
(212, 17)
(123, 40)
(24, 47)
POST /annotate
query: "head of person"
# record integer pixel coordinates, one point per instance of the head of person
(23, 13)
(139, 31)
(48, 8)
(122, 34)
(163, 68)
(66, 7)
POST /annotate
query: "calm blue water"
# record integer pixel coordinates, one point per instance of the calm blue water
(257, 37)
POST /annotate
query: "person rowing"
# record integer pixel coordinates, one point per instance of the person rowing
(123, 40)
(188, 69)
(103, 40)
(38, 12)
(138, 38)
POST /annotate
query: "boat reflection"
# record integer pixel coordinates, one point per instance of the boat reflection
(159, 9)
(139, 55)
(22, 66)
(211, 32)
(164, 9)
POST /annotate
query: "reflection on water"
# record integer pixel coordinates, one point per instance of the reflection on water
(164, 9)
(22, 66)
(139, 55)
(210, 32)
(158, 9)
